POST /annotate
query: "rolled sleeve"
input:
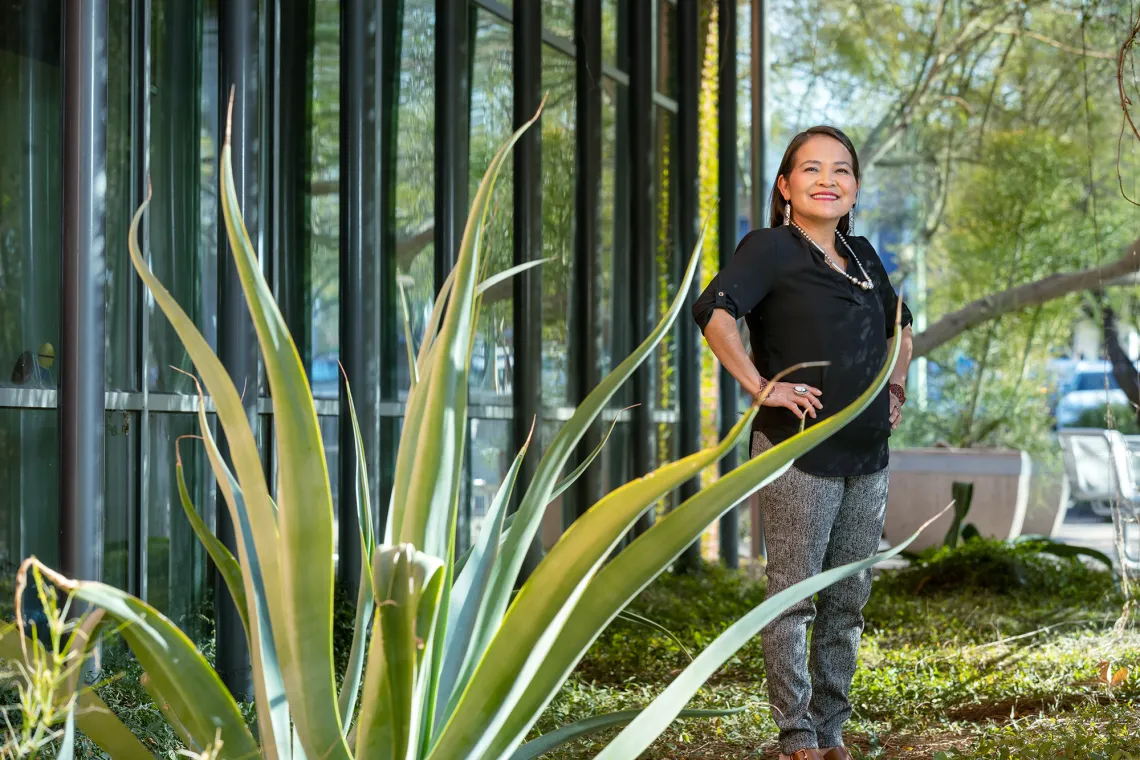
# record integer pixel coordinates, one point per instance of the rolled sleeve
(741, 285)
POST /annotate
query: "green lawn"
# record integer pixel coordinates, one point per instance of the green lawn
(987, 652)
(997, 655)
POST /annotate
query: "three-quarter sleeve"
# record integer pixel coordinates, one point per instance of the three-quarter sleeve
(886, 292)
(741, 285)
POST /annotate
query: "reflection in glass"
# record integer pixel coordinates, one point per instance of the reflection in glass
(666, 275)
(415, 177)
(121, 432)
(558, 161)
(490, 458)
(609, 32)
(183, 168)
(324, 205)
(29, 487)
(667, 48)
(492, 359)
(558, 17)
(30, 192)
(175, 559)
(120, 349)
(614, 210)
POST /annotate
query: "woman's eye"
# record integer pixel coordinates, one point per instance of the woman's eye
(843, 171)
(810, 169)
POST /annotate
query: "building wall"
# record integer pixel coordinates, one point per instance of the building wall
(341, 263)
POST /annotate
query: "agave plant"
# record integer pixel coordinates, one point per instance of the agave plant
(446, 662)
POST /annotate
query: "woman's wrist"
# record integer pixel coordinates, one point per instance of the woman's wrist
(898, 392)
(760, 389)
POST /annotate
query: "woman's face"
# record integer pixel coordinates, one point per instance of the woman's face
(821, 183)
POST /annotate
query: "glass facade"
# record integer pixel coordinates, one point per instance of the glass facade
(163, 107)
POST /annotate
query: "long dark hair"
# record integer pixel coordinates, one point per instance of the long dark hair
(778, 203)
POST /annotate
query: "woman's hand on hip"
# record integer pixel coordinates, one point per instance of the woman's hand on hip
(896, 412)
(801, 399)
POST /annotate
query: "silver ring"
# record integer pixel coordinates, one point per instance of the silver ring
(800, 390)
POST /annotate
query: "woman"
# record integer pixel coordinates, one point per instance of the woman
(810, 291)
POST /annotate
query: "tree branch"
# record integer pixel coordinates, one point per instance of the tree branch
(1054, 43)
(1021, 297)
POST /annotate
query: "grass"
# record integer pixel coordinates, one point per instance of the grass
(985, 652)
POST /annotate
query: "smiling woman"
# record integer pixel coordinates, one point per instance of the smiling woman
(811, 292)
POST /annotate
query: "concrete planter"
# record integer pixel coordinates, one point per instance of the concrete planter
(921, 482)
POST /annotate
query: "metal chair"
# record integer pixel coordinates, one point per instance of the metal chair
(1101, 466)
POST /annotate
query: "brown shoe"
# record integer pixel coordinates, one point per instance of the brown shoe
(802, 754)
(837, 753)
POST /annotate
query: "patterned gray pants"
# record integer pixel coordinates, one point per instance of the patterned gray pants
(813, 523)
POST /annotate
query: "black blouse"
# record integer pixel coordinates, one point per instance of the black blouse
(799, 309)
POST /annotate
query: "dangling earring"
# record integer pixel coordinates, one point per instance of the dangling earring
(851, 221)
(787, 212)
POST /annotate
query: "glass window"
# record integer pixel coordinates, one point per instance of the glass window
(558, 17)
(558, 162)
(29, 487)
(31, 97)
(666, 275)
(120, 282)
(175, 560)
(183, 167)
(324, 207)
(492, 359)
(415, 178)
(610, 16)
(490, 459)
(120, 454)
(614, 209)
(667, 48)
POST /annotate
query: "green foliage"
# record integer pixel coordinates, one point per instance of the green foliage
(457, 665)
(1002, 567)
(1122, 416)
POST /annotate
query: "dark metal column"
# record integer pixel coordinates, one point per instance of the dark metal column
(237, 341)
(726, 180)
(359, 265)
(585, 285)
(83, 265)
(527, 287)
(382, 463)
(760, 200)
(452, 101)
(288, 239)
(642, 239)
(688, 198)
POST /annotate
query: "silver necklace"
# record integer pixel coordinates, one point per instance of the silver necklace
(865, 283)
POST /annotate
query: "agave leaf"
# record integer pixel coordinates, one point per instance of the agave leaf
(461, 562)
(506, 274)
(627, 575)
(536, 748)
(425, 496)
(92, 716)
(175, 667)
(409, 342)
(67, 743)
(389, 722)
(304, 604)
(577, 473)
(256, 506)
(268, 682)
(655, 718)
(533, 505)
(365, 600)
(548, 598)
(468, 591)
(223, 560)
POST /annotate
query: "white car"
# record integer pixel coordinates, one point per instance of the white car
(1091, 386)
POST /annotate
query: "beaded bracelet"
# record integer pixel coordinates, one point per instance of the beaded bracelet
(898, 392)
(763, 385)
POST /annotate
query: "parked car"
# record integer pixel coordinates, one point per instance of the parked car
(1091, 386)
